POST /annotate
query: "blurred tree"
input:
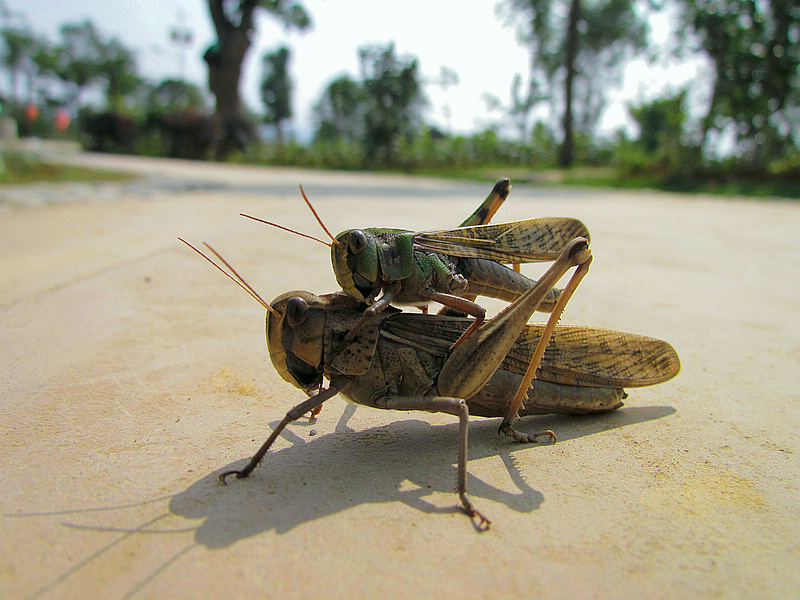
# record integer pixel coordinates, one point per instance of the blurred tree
(660, 122)
(446, 79)
(340, 112)
(20, 49)
(755, 50)
(523, 100)
(79, 54)
(276, 89)
(233, 22)
(173, 95)
(393, 100)
(46, 59)
(575, 45)
(117, 66)
(107, 131)
(83, 58)
(177, 124)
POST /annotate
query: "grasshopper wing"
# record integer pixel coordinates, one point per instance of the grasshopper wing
(577, 355)
(434, 334)
(531, 240)
(592, 356)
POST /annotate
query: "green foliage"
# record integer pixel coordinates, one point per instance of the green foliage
(292, 15)
(18, 52)
(107, 131)
(660, 121)
(340, 112)
(118, 67)
(174, 95)
(755, 50)
(83, 57)
(276, 89)
(24, 54)
(79, 55)
(19, 166)
(394, 101)
(577, 48)
(375, 120)
(663, 145)
(429, 152)
(381, 112)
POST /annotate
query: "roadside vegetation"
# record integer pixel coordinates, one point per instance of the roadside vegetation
(743, 139)
(20, 166)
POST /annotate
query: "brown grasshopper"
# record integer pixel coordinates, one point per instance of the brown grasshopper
(403, 361)
(383, 266)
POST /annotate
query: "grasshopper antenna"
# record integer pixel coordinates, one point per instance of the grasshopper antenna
(236, 278)
(305, 235)
(316, 216)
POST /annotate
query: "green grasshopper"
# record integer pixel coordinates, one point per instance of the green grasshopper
(450, 267)
(404, 361)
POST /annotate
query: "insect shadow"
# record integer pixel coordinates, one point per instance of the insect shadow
(402, 461)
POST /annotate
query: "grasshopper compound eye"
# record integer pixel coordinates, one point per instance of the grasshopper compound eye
(357, 241)
(296, 311)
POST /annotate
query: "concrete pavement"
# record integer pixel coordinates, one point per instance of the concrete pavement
(134, 373)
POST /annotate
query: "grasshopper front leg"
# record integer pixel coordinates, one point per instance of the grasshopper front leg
(293, 414)
(453, 406)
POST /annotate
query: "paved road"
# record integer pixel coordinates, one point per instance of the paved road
(133, 373)
(154, 176)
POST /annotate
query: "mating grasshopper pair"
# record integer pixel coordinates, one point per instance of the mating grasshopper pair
(438, 363)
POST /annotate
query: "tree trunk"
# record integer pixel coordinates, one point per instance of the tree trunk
(566, 155)
(224, 60)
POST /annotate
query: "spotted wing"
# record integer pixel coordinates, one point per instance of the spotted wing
(531, 240)
(577, 355)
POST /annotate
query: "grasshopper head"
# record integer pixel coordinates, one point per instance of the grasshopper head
(305, 331)
(356, 264)
(295, 338)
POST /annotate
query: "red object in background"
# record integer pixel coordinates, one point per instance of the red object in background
(31, 111)
(62, 120)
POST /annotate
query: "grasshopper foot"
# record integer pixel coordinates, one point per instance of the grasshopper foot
(524, 437)
(482, 523)
(238, 474)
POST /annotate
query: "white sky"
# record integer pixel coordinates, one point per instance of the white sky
(466, 37)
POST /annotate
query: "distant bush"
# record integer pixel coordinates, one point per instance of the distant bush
(185, 134)
(17, 164)
(108, 131)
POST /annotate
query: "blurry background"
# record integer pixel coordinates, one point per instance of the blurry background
(660, 93)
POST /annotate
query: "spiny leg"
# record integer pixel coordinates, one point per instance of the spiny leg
(531, 438)
(470, 366)
(512, 411)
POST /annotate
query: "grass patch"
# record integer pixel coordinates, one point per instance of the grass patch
(717, 183)
(18, 167)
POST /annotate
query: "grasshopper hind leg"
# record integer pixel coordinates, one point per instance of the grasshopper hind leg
(512, 411)
(532, 438)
